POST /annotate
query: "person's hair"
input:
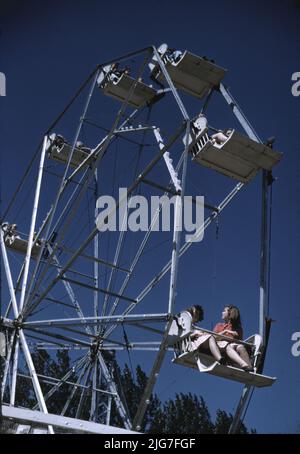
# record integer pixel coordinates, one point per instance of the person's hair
(234, 316)
(196, 308)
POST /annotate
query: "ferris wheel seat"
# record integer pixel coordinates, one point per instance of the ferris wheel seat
(180, 339)
(59, 150)
(190, 73)
(119, 87)
(19, 245)
(206, 363)
(239, 157)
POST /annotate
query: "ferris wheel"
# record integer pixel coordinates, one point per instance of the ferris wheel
(94, 259)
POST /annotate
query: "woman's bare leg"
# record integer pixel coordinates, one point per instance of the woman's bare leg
(234, 356)
(215, 351)
(213, 347)
(244, 354)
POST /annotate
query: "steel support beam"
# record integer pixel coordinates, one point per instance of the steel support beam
(38, 418)
(118, 319)
(173, 282)
(263, 289)
(32, 225)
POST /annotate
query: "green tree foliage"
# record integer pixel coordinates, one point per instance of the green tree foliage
(57, 368)
(133, 390)
(45, 366)
(186, 414)
(223, 423)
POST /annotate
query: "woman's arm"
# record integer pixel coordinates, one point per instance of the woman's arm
(196, 334)
(222, 332)
(234, 333)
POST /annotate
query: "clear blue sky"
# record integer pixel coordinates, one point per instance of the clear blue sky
(49, 48)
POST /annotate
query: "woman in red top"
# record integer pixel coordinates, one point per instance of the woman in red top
(232, 327)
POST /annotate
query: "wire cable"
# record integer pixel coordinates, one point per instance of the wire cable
(269, 258)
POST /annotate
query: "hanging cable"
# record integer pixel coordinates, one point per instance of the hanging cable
(139, 187)
(141, 145)
(269, 246)
(270, 180)
(23, 202)
(127, 344)
(217, 227)
(113, 194)
(214, 270)
(135, 174)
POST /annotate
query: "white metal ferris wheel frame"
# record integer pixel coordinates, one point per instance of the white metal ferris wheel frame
(25, 307)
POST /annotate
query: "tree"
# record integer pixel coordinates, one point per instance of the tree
(187, 414)
(133, 390)
(223, 423)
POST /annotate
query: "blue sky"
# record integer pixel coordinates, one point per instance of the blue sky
(49, 48)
